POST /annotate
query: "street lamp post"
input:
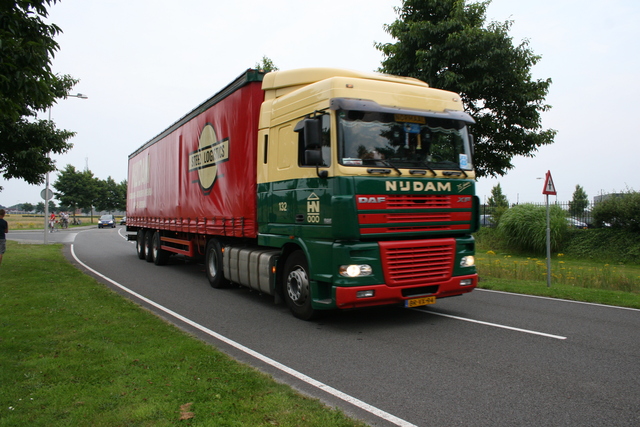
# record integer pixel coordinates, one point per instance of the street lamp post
(46, 189)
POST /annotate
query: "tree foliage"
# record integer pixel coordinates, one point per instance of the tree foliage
(498, 203)
(27, 207)
(446, 44)
(266, 65)
(76, 189)
(579, 202)
(81, 190)
(28, 86)
(111, 196)
(619, 212)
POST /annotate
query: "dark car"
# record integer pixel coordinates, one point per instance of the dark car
(107, 221)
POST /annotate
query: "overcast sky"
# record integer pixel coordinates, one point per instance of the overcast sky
(145, 63)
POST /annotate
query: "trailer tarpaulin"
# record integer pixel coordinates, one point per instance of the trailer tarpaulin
(201, 176)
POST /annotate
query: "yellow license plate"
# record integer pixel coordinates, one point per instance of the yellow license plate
(417, 302)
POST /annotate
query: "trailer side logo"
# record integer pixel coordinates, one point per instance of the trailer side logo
(206, 158)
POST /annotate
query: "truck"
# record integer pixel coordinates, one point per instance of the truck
(324, 188)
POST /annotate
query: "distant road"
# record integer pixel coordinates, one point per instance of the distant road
(66, 235)
(483, 359)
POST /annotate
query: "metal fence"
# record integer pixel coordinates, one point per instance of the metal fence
(578, 219)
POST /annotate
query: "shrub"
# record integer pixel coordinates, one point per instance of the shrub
(622, 212)
(604, 244)
(524, 227)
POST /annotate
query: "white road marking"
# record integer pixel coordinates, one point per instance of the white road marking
(557, 299)
(302, 377)
(495, 325)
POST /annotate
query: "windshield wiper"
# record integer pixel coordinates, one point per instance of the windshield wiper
(458, 168)
(390, 165)
(426, 165)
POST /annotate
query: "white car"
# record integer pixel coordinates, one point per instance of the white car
(574, 223)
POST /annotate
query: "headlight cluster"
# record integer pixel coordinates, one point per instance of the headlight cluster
(467, 261)
(356, 270)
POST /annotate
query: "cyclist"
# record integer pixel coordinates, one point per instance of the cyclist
(52, 222)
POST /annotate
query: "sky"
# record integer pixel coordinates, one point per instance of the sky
(145, 63)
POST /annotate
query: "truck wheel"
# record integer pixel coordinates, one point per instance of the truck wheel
(148, 243)
(297, 289)
(140, 244)
(160, 256)
(213, 264)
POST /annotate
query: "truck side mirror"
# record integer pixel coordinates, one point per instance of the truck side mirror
(312, 133)
(310, 143)
(313, 157)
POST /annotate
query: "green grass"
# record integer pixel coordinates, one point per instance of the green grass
(596, 279)
(72, 352)
(573, 293)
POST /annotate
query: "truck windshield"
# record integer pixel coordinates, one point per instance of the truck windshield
(402, 141)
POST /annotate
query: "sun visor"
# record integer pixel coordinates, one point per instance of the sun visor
(367, 105)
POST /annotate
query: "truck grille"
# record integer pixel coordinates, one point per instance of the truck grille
(418, 261)
(403, 214)
(399, 201)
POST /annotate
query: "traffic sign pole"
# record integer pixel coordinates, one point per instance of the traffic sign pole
(548, 245)
(548, 190)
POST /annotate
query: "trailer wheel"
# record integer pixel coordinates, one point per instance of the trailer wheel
(140, 244)
(297, 289)
(213, 264)
(148, 245)
(160, 256)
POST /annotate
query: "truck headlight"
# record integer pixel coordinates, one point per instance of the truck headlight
(355, 270)
(467, 261)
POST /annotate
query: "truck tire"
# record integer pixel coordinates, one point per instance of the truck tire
(297, 289)
(140, 244)
(213, 264)
(148, 245)
(160, 256)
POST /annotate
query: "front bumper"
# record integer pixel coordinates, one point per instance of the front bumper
(347, 297)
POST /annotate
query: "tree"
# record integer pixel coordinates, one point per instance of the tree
(111, 196)
(76, 189)
(498, 203)
(121, 204)
(266, 65)
(27, 207)
(446, 44)
(39, 208)
(27, 86)
(579, 202)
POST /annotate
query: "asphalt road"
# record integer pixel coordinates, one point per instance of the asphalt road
(482, 359)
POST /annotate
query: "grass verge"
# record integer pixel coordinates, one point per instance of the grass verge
(568, 292)
(573, 276)
(72, 352)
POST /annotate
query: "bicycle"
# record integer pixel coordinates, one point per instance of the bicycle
(55, 226)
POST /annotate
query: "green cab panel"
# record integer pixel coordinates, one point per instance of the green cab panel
(368, 208)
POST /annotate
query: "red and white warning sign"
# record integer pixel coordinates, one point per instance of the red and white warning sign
(549, 188)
